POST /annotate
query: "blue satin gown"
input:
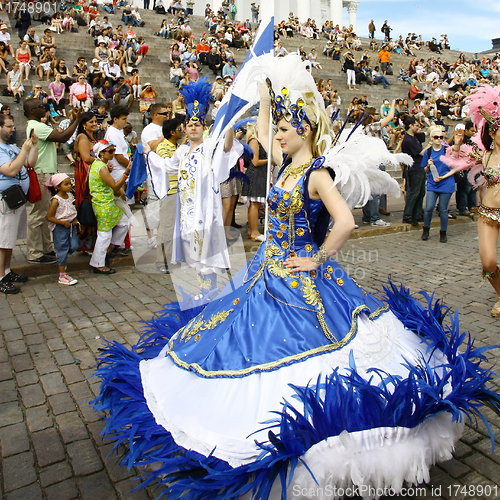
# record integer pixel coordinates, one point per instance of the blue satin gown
(292, 380)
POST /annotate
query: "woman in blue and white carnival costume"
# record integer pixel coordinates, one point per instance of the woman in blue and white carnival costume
(298, 378)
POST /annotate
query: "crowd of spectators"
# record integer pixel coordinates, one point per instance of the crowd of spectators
(110, 77)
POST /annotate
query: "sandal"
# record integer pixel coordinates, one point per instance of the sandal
(259, 238)
(495, 312)
(104, 270)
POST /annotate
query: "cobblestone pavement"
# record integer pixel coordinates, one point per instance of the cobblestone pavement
(49, 436)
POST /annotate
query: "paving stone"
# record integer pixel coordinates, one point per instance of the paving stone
(96, 486)
(455, 468)
(111, 461)
(32, 395)
(48, 447)
(61, 403)
(13, 334)
(18, 471)
(66, 490)
(31, 492)
(55, 473)
(64, 357)
(72, 373)
(24, 318)
(125, 492)
(89, 333)
(9, 323)
(10, 413)
(82, 322)
(75, 344)
(40, 352)
(56, 344)
(30, 328)
(46, 365)
(96, 429)
(35, 339)
(38, 418)
(53, 383)
(85, 358)
(16, 347)
(26, 378)
(71, 427)
(5, 371)
(14, 439)
(84, 458)
(8, 391)
(485, 467)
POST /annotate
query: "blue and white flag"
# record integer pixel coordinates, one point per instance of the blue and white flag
(243, 93)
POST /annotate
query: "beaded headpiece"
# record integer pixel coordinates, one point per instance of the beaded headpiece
(494, 123)
(197, 100)
(282, 107)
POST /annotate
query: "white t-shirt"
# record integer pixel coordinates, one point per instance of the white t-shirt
(130, 137)
(117, 137)
(151, 132)
(5, 37)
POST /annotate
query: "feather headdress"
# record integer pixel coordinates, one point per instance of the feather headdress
(197, 99)
(484, 108)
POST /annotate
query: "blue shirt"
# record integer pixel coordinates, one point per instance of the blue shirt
(446, 186)
(8, 152)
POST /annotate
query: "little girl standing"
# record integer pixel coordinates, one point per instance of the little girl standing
(62, 219)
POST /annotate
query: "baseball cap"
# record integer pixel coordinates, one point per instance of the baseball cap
(101, 146)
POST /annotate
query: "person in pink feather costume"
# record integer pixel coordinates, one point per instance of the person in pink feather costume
(483, 162)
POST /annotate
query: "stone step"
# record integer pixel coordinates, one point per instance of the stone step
(155, 67)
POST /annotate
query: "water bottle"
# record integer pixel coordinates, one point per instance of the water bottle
(434, 170)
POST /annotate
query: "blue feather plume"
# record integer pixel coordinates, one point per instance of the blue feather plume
(320, 410)
(200, 92)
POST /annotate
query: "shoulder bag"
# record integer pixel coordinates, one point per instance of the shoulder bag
(14, 196)
(85, 214)
(34, 191)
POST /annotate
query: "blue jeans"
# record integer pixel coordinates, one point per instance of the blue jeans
(430, 205)
(382, 79)
(65, 242)
(109, 8)
(465, 194)
(370, 210)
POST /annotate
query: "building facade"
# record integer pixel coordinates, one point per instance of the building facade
(320, 10)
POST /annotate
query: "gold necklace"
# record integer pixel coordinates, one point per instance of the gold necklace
(295, 171)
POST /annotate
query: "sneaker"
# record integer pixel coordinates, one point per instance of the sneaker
(13, 277)
(152, 242)
(67, 280)
(8, 287)
(44, 259)
(50, 254)
(380, 223)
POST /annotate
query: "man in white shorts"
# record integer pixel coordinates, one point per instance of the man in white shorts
(13, 221)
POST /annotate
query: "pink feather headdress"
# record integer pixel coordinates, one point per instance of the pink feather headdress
(484, 108)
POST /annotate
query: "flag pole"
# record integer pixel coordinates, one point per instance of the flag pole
(269, 165)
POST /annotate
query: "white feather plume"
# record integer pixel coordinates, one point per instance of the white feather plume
(355, 161)
(356, 165)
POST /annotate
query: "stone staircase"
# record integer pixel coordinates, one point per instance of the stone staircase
(155, 67)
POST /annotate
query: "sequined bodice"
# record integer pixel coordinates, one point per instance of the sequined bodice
(492, 176)
(290, 227)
